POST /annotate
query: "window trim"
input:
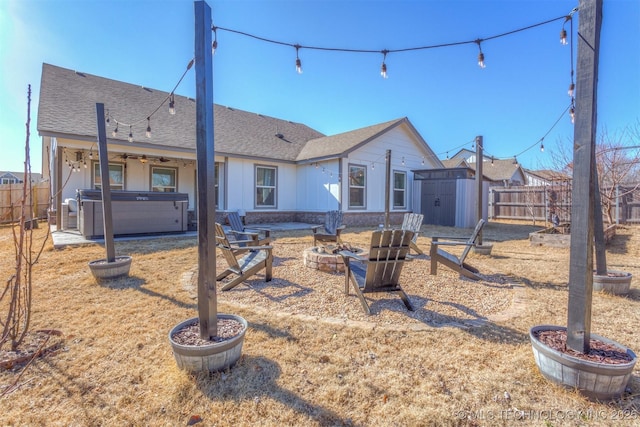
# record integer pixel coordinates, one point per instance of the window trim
(124, 176)
(363, 187)
(256, 187)
(404, 190)
(174, 169)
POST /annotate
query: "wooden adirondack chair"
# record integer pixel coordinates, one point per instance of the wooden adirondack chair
(455, 263)
(255, 258)
(380, 270)
(413, 222)
(330, 231)
(241, 233)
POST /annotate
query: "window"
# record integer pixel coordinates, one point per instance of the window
(399, 190)
(9, 181)
(218, 167)
(266, 187)
(116, 176)
(164, 179)
(357, 189)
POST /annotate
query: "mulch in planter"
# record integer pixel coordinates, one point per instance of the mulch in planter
(599, 352)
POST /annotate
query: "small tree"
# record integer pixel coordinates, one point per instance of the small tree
(15, 300)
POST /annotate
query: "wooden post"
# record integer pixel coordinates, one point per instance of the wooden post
(207, 315)
(479, 164)
(583, 201)
(387, 190)
(105, 185)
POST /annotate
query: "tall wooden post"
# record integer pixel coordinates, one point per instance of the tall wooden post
(105, 184)
(207, 315)
(387, 190)
(583, 200)
(479, 164)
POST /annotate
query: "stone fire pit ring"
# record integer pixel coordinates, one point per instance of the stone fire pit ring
(322, 258)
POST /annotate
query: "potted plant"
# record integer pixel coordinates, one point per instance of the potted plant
(571, 356)
(212, 341)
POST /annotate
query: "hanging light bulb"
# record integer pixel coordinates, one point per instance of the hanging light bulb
(214, 44)
(563, 37)
(383, 68)
(148, 133)
(143, 159)
(402, 160)
(172, 105)
(91, 153)
(423, 161)
(108, 119)
(481, 63)
(572, 87)
(373, 166)
(541, 147)
(515, 161)
(130, 138)
(491, 160)
(298, 62)
(115, 131)
(84, 163)
(572, 113)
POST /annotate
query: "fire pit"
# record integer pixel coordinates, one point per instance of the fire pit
(327, 258)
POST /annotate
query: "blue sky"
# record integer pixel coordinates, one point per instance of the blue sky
(512, 103)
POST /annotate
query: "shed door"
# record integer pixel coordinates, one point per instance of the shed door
(439, 202)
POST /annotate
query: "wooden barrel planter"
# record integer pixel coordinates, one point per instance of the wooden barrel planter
(104, 270)
(614, 282)
(210, 357)
(596, 380)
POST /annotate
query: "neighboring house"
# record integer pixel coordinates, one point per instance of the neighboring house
(545, 177)
(271, 169)
(498, 172)
(7, 177)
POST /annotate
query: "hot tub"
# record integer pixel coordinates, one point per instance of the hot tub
(133, 212)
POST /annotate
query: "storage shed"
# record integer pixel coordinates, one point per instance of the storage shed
(448, 196)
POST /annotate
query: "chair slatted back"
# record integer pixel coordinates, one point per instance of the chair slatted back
(413, 222)
(387, 254)
(223, 244)
(332, 220)
(235, 222)
(472, 240)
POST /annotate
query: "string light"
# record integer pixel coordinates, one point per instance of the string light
(563, 37)
(214, 43)
(572, 113)
(402, 160)
(130, 138)
(298, 62)
(108, 120)
(172, 105)
(541, 145)
(383, 68)
(148, 133)
(115, 131)
(481, 63)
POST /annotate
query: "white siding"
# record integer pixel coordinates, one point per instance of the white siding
(318, 186)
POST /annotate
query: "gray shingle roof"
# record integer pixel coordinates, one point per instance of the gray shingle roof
(67, 108)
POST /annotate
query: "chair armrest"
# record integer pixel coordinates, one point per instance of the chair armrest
(436, 243)
(436, 238)
(314, 228)
(349, 254)
(246, 233)
(266, 231)
(251, 248)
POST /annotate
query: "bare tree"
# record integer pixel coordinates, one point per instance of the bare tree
(617, 163)
(15, 299)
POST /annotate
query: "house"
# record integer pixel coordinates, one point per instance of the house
(270, 169)
(7, 177)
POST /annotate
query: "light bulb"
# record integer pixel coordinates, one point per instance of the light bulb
(541, 147)
(481, 60)
(115, 131)
(572, 86)
(572, 113)
(172, 105)
(563, 37)
(130, 138)
(298, 66)
(148, 133)
(383, 71)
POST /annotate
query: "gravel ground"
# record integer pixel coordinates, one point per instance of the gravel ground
(445, 299)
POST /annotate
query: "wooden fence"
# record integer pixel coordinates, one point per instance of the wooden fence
(537, 204)
(11, 198)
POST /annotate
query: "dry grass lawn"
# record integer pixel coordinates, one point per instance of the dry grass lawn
(311, 356)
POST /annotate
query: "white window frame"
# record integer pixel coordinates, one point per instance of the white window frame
(96, 171)
(397, 190)
(259, 187)
(354, 168)
(165, 188)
